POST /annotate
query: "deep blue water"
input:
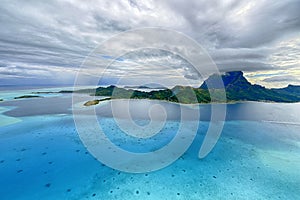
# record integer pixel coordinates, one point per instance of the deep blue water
(42, 157)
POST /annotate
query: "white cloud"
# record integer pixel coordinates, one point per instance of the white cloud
(55, 36)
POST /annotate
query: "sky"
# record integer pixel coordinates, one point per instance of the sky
(46, 42)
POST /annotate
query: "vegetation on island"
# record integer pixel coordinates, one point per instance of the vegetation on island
(180, 94)
(239, 89)
(236, 86)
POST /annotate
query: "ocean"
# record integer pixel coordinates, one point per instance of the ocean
(42, 156)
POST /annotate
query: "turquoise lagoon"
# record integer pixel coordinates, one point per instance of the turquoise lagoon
(42, 157)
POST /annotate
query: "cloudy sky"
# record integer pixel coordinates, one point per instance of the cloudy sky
(45, 42)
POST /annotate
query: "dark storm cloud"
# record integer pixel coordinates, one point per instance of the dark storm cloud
(43, 38)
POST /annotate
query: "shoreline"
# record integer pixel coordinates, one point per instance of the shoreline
(107, 99)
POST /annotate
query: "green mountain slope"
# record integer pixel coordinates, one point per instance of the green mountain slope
(238, 88)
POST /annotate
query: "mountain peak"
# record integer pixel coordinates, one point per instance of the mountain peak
(229, 78)
(235, 73)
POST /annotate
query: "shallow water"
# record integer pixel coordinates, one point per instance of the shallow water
(42, 157)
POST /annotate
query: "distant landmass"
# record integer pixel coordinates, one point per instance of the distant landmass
(237, 88)
(147, 86)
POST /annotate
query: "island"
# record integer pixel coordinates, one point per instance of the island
(27, 96)
(147, 86)
(44, 92)
(95, 102)
(236, 86)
